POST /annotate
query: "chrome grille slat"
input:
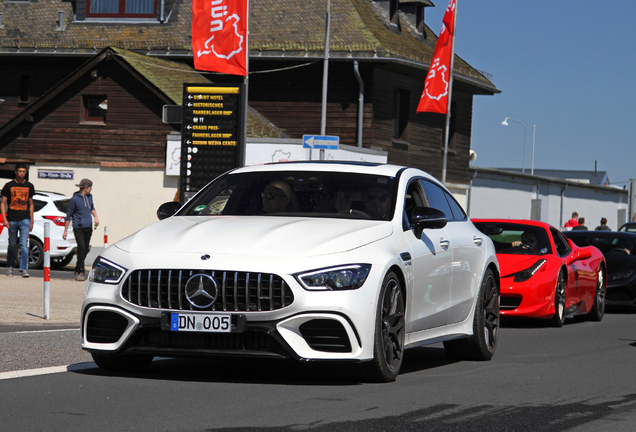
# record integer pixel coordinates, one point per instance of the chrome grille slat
(237, 291)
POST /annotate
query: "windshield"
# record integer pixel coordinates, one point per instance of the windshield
(608, 245)
(510, 238)
(297, 193)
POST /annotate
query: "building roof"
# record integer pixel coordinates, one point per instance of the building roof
(164, 77)
(586, 177)
(280, 29)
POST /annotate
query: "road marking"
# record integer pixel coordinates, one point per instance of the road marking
(44, 331)
(46, 371)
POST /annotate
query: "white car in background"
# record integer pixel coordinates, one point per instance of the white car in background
(328, 278)
(48, 207)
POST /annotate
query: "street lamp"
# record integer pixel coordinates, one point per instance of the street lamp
(525, 130)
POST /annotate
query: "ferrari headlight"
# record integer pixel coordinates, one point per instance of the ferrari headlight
(526, 274)
(347, 277)
(104, 271)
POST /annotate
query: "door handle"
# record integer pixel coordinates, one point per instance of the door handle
(444, 243)
(478, 241)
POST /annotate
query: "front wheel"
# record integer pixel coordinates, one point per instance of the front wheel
(559, 301)
(483, 343)
(598, 308)
(388, 350)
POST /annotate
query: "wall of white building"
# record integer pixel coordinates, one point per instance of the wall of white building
(500, 194)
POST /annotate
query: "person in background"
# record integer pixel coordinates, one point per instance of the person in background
(17, 214)
(581, 226)
(572, 222)
(603, 226)
(80, 210)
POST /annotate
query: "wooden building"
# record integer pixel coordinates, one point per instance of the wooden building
(84, 88)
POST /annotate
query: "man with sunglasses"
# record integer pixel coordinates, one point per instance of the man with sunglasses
(377, 202)
(17, 214)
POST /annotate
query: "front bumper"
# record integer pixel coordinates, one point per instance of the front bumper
(305, 336)
(531, 298)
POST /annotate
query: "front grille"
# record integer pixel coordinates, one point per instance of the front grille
(237, 291)
(619, 294)
(326, 335)
(509, 303)
(236, 343)
(105, 327)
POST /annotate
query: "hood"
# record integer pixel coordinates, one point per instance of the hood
(510, 263)
(255, 235)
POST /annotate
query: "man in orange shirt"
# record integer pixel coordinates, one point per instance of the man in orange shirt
(17, 214)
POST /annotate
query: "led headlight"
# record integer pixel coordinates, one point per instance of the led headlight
(104, 271)
(526, 274)
(348, 277)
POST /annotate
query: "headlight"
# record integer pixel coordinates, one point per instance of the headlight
(347, 277)
(526, 274)
(104, 271)
(625, 274)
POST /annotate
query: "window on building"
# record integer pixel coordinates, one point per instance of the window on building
(121, 8)
(25, 88)
(400, 115)
(393, 13)
(94, 109)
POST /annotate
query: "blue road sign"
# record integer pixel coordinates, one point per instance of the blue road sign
(323, 142)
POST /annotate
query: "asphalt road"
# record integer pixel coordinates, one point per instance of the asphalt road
(577, 378)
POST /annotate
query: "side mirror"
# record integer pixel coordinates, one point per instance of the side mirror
(581, 254)
(427, 217)
(168, 209)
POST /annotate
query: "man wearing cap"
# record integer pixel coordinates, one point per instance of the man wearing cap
(17, 213)
(80, 209)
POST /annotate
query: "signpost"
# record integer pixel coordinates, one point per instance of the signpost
(212, 130)
(321, 142)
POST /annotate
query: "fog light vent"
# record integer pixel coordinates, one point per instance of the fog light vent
(326, 335)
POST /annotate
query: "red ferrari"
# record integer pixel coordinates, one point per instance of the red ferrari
(543, 274)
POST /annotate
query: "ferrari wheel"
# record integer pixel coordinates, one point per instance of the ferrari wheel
(483, 343)
(598, 308)
(559, 301)
(388, 349)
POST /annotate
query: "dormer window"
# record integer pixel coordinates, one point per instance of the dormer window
(394, 18)
(121, 8)
(414, 10)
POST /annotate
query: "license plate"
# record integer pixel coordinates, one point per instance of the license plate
(201, 322)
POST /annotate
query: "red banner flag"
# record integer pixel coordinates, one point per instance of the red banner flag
(436, 86)
(219, 36)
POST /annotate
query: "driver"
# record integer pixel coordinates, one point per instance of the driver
(377, 202)
(529, 239)
(276, 196)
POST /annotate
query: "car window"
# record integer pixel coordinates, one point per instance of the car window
(414, 197)
(437, 198)
(38, 205)
(62, 204)
(608, 245)
(297, 193)
(560, 242)
(458, 212)
(516, 239)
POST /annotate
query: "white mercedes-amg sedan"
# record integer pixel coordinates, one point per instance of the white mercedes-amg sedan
(313, 261)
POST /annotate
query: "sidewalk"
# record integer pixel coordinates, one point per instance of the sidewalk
(22, 299)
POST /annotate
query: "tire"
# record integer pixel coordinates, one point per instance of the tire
(388, 347)
(36, 253)
(560, 296)
(63, 261)
(598, 307)
(481, 346)
(122, 362)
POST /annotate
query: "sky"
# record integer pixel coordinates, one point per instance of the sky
(566, 66)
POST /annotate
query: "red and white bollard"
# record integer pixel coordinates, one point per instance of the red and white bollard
(105, 237)
(47, 269)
